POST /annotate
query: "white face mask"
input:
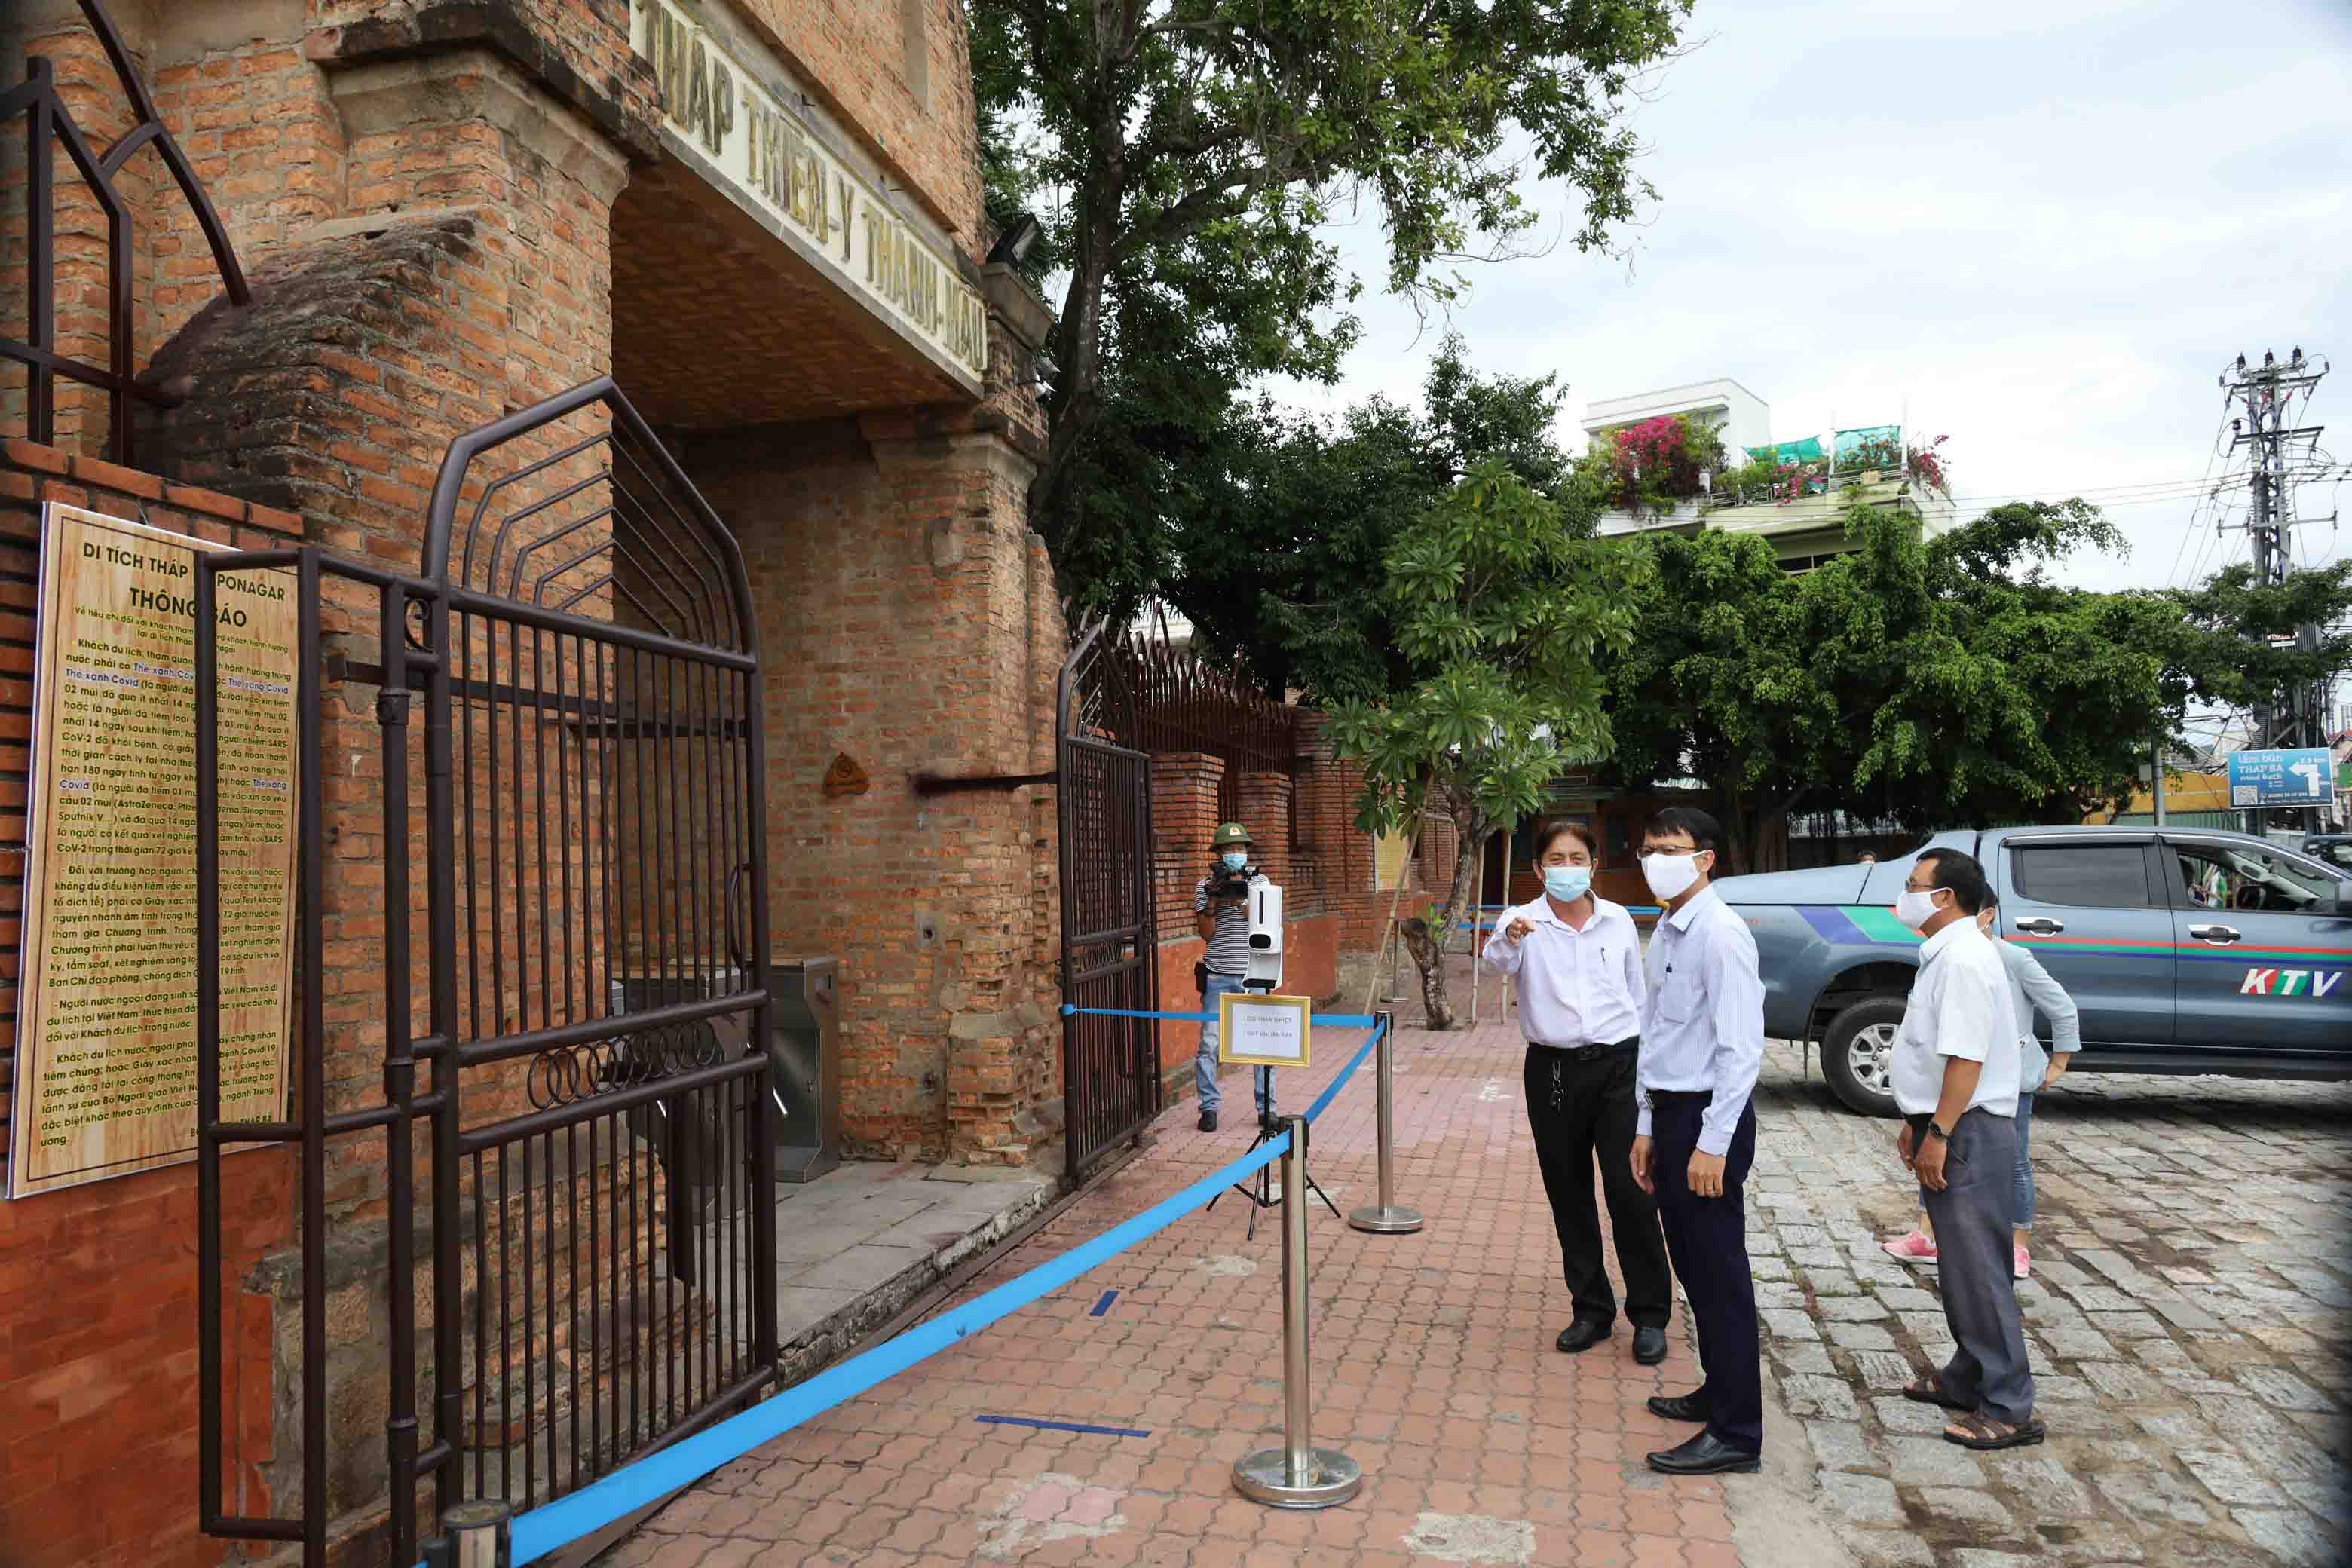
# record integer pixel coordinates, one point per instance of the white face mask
(1670, 876)
(1915, 908)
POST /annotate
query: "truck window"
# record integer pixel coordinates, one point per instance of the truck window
(2241, 876)
(2091, 876)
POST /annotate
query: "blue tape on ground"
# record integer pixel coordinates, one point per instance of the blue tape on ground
(1104, 1305)
(1062, 1426)
(1331, 1090)
(1333, 1020)
(626, 1491)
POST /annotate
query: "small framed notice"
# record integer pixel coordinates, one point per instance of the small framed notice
(1261, 1031)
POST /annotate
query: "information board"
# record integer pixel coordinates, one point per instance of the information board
(2281, 778)
(1264, 1031)
(106, 1031)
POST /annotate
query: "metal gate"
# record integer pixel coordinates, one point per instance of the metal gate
(600, 1237)
(1110, 1065)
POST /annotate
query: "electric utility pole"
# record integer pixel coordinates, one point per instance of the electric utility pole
(2270, 392)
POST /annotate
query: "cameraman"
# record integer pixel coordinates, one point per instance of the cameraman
(1221, 914)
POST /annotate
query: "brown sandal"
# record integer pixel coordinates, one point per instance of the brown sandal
(1982, 1433)
(1929, 1390)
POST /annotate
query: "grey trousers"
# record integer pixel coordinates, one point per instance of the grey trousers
(1976, 1269)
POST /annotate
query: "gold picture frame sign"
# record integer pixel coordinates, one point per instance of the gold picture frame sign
(106, 1034)
(1255, 1029)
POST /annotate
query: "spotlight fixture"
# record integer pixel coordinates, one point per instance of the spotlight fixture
(1014, 246)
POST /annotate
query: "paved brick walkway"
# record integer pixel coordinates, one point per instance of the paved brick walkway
(2188, 1326)
(1433, 1362)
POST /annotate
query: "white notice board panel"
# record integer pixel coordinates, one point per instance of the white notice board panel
(1264, 1031)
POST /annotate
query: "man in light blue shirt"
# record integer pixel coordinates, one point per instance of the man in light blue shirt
(1702, 1047)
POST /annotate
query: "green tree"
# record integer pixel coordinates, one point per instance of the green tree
(1502, 610)
(2240, 641)
(1931, 681)
(1203, 145)
(1272, 551)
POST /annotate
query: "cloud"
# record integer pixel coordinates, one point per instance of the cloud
(2041, 230)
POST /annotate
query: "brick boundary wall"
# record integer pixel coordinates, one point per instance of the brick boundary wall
(97, 1283)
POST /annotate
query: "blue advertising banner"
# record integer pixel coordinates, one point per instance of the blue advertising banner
(2281, 778)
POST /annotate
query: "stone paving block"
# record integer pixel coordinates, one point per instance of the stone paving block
(2291, 1536)
(1843, 1446)
(2163, 1353)
(2153, 1494)
(1931, 1461)
(1806, 1394)
(2230, 1477)
(1802, 1358)
(1890, 1549)
(1968, 1505)
(2128, 1325)
(1827, 1258)
(1978, 1557)
(1908, 1298)
(2075, 1343)
(2118, 1380)
(1883, 1368)
(1853, 1310)
(2057, 1388)
(1865, 1499)
(1861, 1337)
(1789, 1325)
(2034, 1474)
(1834, 1282)
(2281, 1389)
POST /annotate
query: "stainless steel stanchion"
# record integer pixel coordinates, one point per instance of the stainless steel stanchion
(1298, 1474)
(1385, 1219)
(474, 1535)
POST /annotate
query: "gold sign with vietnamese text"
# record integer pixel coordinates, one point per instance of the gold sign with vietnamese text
(106, 1034)
(742, 132)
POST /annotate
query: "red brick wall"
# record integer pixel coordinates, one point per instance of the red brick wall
(854, 53)
(906, 622)
(98, 1346)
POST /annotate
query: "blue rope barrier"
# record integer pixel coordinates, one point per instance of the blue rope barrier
(625, 1491)
(1331, 1090)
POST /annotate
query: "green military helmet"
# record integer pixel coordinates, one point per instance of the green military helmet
(1229, 833)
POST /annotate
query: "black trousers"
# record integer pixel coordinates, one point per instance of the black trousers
(1708, 1240)
(1581, 1108)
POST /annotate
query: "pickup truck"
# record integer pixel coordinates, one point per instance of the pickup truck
(2188, 951)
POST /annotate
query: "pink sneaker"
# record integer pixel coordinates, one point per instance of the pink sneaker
(1916, 1247)
(2024, 1264)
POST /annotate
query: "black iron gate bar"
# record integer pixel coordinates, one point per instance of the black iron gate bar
(49, 123)
(643, 1069)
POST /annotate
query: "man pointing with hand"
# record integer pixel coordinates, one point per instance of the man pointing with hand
(1702, 1047)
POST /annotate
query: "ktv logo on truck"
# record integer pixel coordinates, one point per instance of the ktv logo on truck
(2290, 982)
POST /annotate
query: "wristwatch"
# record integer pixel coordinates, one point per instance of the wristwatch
(1937, 1129)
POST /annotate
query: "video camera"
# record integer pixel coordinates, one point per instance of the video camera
(1227, 886)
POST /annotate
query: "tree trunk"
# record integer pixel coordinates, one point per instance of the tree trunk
(1472, 832)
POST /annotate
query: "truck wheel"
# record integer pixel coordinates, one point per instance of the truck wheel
(1858, 1054)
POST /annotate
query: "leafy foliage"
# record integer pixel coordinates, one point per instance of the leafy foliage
(1503, 612)
(1930, 681)
(1281, 530)
(1194, 147)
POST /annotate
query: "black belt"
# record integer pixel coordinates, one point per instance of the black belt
(1682, 1097)
(1592, 1047)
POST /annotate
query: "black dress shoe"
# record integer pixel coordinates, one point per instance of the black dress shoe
(1705, 1455)
(1582, 1335)
(1679, 1406)
(1648, 1345)
(1208, 1121)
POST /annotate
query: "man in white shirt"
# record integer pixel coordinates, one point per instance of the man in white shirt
(1955, 1076)
(1577, 960)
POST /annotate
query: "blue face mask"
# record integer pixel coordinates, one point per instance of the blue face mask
(1568, 883)
(1235, 859)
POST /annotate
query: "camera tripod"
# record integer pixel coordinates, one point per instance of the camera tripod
(1259, 1190)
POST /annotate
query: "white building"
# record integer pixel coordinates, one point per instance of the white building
(1805, 528)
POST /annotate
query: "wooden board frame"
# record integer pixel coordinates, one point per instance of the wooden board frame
(112, 595)
(1228, 1049)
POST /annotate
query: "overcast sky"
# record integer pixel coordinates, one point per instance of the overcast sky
(2043, 228)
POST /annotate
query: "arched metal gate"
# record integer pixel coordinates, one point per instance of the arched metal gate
(586, 879)
(1110, 1064)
